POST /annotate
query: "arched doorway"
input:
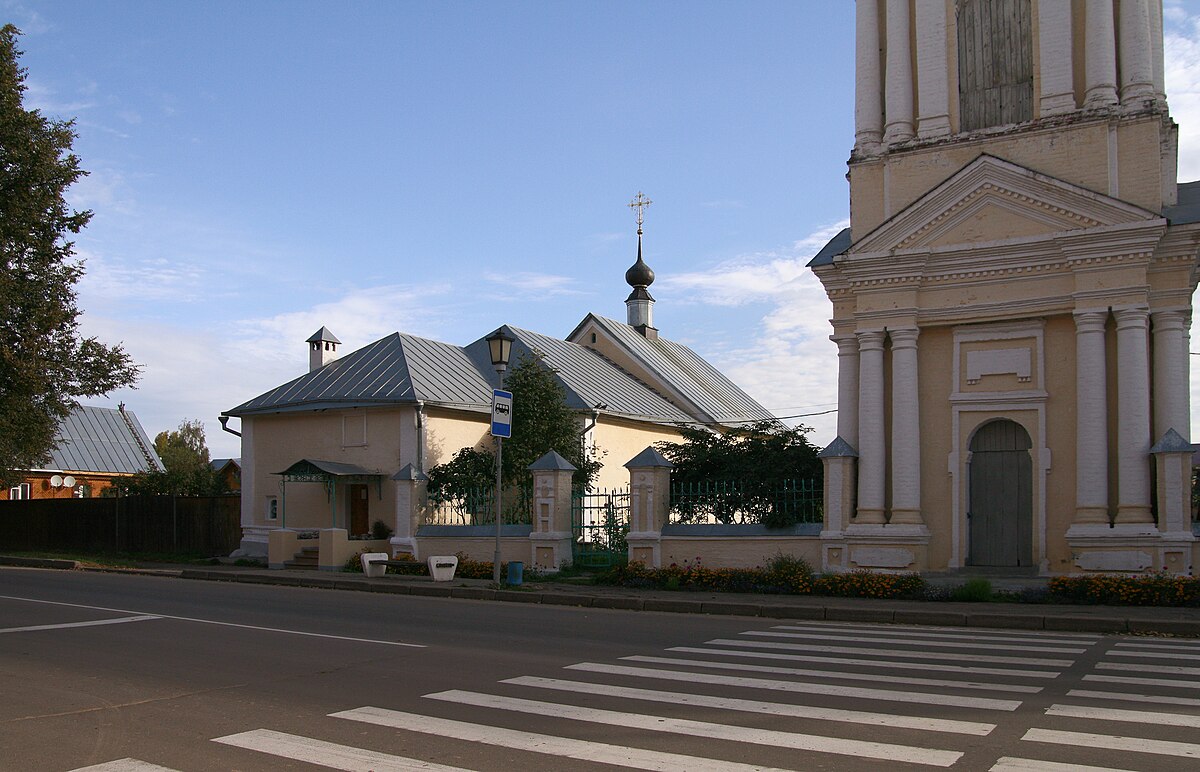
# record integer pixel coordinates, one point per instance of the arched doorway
(1000, 496)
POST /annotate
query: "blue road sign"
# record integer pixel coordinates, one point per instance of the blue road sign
(501, 413)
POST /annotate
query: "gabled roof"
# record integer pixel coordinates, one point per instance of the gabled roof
(718, 399)
(98, 439)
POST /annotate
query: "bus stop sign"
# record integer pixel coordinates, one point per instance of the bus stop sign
(501, 413)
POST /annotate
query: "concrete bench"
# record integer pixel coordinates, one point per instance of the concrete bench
(441, 567)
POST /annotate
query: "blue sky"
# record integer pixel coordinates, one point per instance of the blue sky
(261, 169)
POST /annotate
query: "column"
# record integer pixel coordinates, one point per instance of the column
(1091, 419)
(1133, 410)
(847, 419)
(1054, 54)
(1170, 374)
(411, 500)
(649, 506)
(933, 77)
(868, 91)
(550, 540)
(898, 109)
(1137, 70)
(906, 429)
(872, 454)
(1100, 59)
(1156, 53)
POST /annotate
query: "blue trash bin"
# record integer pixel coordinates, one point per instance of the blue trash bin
(516, 571)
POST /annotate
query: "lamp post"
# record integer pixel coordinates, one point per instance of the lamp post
(500, 347)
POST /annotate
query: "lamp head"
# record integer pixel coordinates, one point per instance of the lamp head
(499, 347)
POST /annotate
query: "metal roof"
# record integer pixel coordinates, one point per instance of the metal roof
(98, 439)
(323, 335)
(1187, 208)
(720, 399)
(835, 246)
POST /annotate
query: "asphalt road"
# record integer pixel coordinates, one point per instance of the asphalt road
(119, 672)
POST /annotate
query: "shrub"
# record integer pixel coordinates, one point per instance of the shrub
(380, 530)
(1155, 589)
(868, 584)
(974, 591)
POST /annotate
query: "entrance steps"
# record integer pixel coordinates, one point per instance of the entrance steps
(306, 559)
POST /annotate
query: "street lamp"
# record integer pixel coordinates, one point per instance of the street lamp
(500, 347)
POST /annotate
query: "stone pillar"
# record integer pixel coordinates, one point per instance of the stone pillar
(1091, 418)
(1170, 374)
(1173, 465)
(649, 506)
(1137, 70)
(847, 418)
(1156, 53)
(898, 108)
(868, 108)
(871, 449)
(1100, 56)
(933, 77)
(1054, 54)
(1133, 409)
(411, 500)
(906, 429)
(550, 540)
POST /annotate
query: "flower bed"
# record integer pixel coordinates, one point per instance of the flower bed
(1156, 589)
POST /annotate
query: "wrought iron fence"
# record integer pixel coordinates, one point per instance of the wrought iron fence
(776, 504)
(478, 507)
(599, 523)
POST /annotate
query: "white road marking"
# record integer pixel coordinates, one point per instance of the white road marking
(1133, 668)
(649, 723)
(800, 687)
(837, 674)
(215, 622)
(1171, 682)
(1114, 743)
(1132, 716)
(332, 755)
(93, 623)
(1054, 638)
(125, 765)
(1153, 654)
(583, 750)
(1158, 698)
(889, 720)
(909, 642)
(1148, 645)
(936, 655)
(1012, 764)
(889, 663)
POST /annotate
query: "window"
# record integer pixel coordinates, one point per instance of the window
(22, 491)
(354, 430)
(272, 508)
(995, 63)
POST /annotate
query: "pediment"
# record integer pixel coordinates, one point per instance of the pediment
(992, 200)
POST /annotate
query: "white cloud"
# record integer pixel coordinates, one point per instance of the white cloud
(534, 285)
(1181, 46)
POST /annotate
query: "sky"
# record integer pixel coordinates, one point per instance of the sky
(258, 170)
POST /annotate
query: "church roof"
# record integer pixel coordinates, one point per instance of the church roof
(836, 246)
(1187, 210)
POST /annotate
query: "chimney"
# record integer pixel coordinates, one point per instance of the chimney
(322, 349)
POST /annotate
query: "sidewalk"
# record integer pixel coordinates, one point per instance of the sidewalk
(1014, 616)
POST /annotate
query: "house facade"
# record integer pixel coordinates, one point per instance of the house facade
(1012, 299)
(94, 448)
(337, 446)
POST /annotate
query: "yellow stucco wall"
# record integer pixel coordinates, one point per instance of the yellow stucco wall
(622, 440)
(447, 432)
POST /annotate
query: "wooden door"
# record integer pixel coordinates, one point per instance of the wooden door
(360, 510)
(1000, 513)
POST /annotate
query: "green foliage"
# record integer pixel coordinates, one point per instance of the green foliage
(783, 574)
(753, 462)
(470, 470)
(1154, 589)
(184, 453)
(45, 364)
(380, 530)
(974, 591)
(870, 584)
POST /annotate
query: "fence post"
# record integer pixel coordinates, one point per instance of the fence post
(838, 503)
(550, 540)
(411, 498)
(649, 506)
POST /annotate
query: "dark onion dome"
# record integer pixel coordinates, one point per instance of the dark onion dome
(639, 274)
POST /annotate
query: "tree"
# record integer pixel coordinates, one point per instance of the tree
(45, 363)
(188, 472)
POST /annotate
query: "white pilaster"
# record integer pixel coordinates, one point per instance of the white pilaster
(933, 77)
(872, 452)
(1170, 374)
(1137, 70)
(1091, 418)
(906, 429)
(1133, 410)
(868, 90)
(847, 419)
(1100, 55)
(1054, 55)
(898, 108)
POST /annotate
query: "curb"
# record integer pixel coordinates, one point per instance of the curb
(69, 565)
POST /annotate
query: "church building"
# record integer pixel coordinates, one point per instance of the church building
(1012, 299)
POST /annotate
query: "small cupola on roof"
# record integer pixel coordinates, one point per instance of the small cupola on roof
(322, 348)
(640, 305)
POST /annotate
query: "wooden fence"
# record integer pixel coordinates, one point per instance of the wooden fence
(206, 525)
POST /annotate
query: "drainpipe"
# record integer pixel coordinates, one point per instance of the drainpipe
(225, 426)
(420, 413)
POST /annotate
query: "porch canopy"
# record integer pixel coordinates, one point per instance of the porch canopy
(328, 473)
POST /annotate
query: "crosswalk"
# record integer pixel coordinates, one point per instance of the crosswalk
(804, 696)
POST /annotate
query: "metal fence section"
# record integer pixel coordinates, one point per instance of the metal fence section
(727, 502)
(599, 523)
(478, 507)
